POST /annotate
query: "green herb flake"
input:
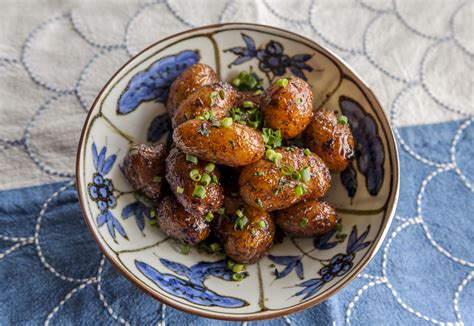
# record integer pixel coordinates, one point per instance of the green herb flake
(259, 202)
(262, 224)
(152, 223)
(179, 190)
(307, 152)
(258, 173)
(152, 213)
(157, 179)
(342, 119)
(282, 82)
(222, 94)
(209, 217)
(185, 249)
(303, 222)
(247, 104)
(213, 97)
(192, 158)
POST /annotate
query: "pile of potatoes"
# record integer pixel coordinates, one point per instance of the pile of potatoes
(228, 171)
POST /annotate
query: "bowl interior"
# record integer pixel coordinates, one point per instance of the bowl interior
(297, 272)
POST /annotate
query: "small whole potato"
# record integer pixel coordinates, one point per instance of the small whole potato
(288, 106)
(175, 222)
(236, 145)
(180, 173)
(272, 185)
(307, 218)
(144, 167)
(246, 239)
(216, 99)
(190, 80)
(331, 139)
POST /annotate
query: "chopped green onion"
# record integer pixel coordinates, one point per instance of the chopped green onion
(221, 211)
(295, 175)
(213, 98)
(262, 224)
(271, 137)
(303, 222)
(157, 179)
(205, 179)
(258, 173)
(152, 223)
(240, 222)
(239, 213)
(290, 149)
(247, 104)
(338, 227)
(286, 170)
(237, 268)
(191, 158)
(214, 179)
(215, 123)
(253, 124)
(215, 247)
(246, 81)
(236, 82)
(152, 213)
(179, 190)
(342, 119)
(307, 152)
(208, 115)
(210, 167)
(270, 153)
(299, 190)
(195, 175)
(341, 236)
(230, 264)
(305, 174)
(282, 82)
(133, 151)
(199, 117)
(237, 277)
(258, 92)
(209, 217)
(222, 94)
(199, 192)
(259, 202)
(226, 122)
(299, 101)
(185, 249)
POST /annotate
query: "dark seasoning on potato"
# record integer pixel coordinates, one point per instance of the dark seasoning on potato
(231, 180)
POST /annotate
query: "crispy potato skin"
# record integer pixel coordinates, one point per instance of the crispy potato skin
(200, 101)
(320, 216)
(288, 108)
(237, 145)
(190, 80)
(263, 180)
(243, 96)
(141, 164)
(177, 175)
(332, 141)
(175, 222)
(250, 244)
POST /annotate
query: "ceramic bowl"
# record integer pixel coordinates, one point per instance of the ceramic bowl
(297, 273)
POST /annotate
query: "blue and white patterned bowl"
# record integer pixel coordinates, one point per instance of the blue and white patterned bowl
(297, 273)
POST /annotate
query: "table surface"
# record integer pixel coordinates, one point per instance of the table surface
(54, 57)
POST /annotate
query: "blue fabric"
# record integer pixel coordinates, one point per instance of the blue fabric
(419, 281)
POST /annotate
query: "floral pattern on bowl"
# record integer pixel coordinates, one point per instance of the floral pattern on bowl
(297, 273)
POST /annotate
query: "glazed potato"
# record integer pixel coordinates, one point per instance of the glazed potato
(175, 222)
(190, 80)
(288, 107)
(237, 145)
(267, 185)
(245, 242)
(307, 218)
(216, 98)
(178, 175)
(248, 96)
(144, 167)
(331, 140)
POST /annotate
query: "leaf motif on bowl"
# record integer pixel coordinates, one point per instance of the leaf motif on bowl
(370, 151)
(192, 289)
(152, 84)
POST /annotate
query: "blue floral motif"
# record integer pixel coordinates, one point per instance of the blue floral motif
(321, 242)
(290, 263)
(272, 58)
(101, 190)
(192, 289)
(140, 211)
(154, 82)
(159, 126)
(338, 266)
(370, 152)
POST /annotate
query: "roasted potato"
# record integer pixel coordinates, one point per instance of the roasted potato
(307, 218)
(246, 239)
(272, 185)
(237, 145)
(144, 167)
(180, 173)
(330, 139)
(248, 96)
(190, 80)
(288, 106)
(175, 222)
(217, 99)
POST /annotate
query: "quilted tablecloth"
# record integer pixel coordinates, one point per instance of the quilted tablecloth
(55, 56)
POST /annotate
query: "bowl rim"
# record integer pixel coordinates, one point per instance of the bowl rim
(261, 315)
